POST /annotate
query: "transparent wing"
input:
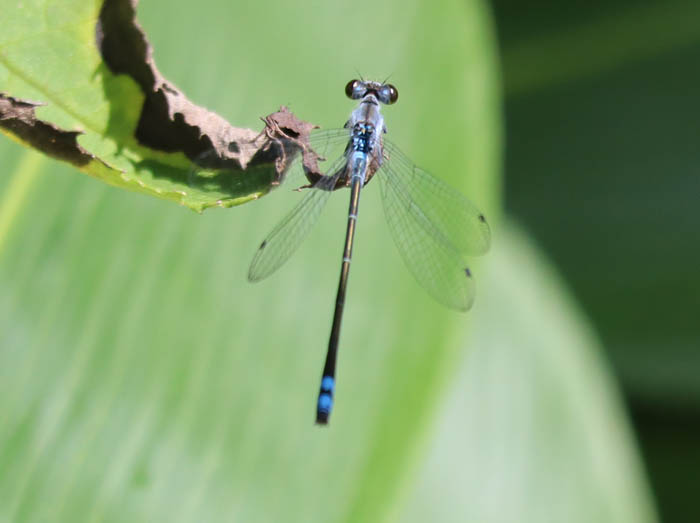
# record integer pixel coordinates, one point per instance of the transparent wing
(286, 237)
(328, 144)
(321, 140)
(451, 215)
(433, 226)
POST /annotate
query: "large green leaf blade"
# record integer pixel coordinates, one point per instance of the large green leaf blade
(146, 380)
(533, 429)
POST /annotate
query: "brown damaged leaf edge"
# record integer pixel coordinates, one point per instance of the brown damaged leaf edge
(169, 122)
(18, 117)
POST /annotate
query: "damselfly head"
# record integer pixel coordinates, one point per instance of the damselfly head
(358, 89)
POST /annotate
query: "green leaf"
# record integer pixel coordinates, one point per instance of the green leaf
(134, 129)
(534, 427)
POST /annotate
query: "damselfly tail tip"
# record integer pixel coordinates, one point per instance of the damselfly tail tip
(325, 400)
(323, 410)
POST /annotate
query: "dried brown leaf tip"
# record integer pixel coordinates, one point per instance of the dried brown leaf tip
(283, 126)
(18, 118)
(169, 121)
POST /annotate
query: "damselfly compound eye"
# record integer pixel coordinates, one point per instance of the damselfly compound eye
(350, 88)
(393, 94)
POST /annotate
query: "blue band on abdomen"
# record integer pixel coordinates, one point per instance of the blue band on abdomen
(325, 402)
(327, 384)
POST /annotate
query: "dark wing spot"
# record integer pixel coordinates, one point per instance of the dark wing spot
(262, 245)
(467, 272)
(482, 218)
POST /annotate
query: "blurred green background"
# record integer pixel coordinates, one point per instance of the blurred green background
(602, 168)
(143, 379)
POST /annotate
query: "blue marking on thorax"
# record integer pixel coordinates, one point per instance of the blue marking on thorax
(362, 145)
(362, 138)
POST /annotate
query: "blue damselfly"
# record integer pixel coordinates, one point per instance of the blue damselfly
(433, 225)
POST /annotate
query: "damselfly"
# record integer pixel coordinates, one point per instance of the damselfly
(433, 225)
